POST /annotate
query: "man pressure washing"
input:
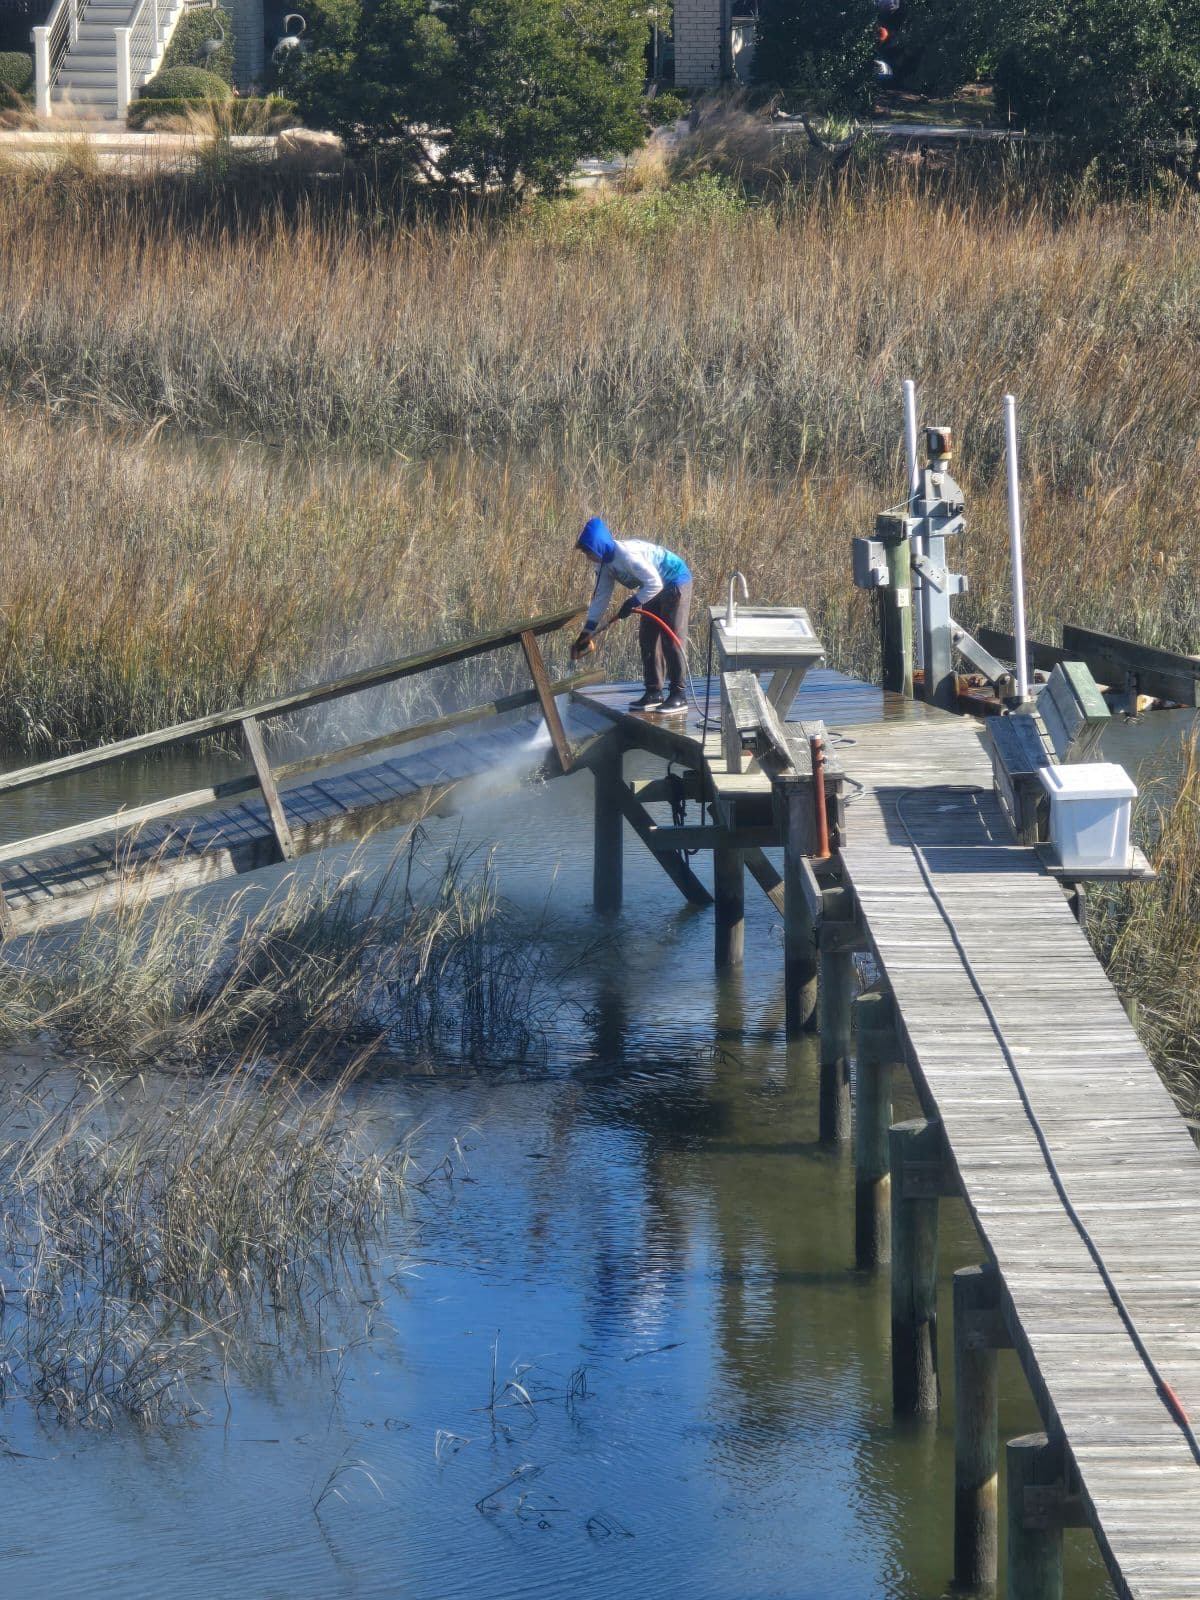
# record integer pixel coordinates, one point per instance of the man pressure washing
(662, 592)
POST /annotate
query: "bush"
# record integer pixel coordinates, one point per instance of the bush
(819, 55)
(938, 45)
(186, 83)
(451, 65)
(234, 116)
(16, 71)
(667, 106)
(195, 27)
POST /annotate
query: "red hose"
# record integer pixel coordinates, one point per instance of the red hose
(640, 611)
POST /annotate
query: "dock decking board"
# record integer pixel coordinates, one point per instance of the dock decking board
(1126, 1157)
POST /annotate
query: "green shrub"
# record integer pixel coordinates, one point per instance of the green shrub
(234, 116)
(16, 71)
(186, 83)
(195, 28)
(818, 55)
(664, 107)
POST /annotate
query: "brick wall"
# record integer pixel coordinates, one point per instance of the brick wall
(697, 29)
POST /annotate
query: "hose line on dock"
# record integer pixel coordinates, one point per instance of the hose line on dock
(1163, 1389)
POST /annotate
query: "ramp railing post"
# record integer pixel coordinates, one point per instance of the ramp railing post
(914, 1145)
(977, 1336)
(877, 1050)
(255, 749)
(1035, 1546)
(541, 682)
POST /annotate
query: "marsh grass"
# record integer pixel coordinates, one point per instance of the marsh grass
(419, 958)
(1149, 934)
(152, 1233)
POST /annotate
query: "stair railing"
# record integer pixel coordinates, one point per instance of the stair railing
(51, 44)
(137, 52)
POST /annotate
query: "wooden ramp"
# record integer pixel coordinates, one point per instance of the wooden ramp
(191, 839)
(59, 886)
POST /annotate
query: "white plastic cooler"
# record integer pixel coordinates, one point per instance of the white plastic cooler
(1090, 806)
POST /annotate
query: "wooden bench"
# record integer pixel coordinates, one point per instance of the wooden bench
(1064, 725)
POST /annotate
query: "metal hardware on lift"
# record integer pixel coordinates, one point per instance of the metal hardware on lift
(870, 564)
(944, 582)
(982, 660)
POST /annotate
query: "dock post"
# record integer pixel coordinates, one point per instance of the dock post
(799, 929)
(608, 847)
(835, 997)
(877, 1050)
(729, 894)
(1035, 1569)
(914, 1272)
(976, 1443)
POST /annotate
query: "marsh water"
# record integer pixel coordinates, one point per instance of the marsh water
(617, 1347)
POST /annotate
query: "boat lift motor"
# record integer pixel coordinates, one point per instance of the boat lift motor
(935, 513)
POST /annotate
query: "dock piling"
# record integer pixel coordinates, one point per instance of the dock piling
(914, 1272)
(1035, 1570)
(877, 1048)
(976, 1444)
(835, 998)
(799, 930)
(729, 894)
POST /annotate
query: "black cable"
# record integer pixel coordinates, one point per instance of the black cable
(1164, 1390)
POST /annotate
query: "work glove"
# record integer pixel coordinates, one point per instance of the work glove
(582, 646)
(628, 608)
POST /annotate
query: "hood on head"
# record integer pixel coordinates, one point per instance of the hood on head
(597, 540)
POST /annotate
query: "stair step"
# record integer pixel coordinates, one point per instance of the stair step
(87, 97)
(89, 80)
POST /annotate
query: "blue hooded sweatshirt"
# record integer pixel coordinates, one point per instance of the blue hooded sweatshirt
(635, 563)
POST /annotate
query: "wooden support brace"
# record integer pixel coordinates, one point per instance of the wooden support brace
(252, 734)
(914, 1271)
(976, 1441)
(759, 866)
(676, 868)
(545, 694)
(1035, 1564)
(878, 1051)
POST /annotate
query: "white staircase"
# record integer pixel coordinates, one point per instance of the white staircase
(94, 55)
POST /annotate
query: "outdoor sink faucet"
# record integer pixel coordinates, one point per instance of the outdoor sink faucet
(731, 605)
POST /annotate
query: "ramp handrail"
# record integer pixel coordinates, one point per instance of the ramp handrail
(247, 719)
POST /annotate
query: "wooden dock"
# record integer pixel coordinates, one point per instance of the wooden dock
(1113, 1456)
(1040, 1107)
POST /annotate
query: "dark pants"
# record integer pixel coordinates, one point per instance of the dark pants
(671, 603)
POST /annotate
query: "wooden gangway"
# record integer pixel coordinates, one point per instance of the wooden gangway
(198, 837)
(1113, 1455)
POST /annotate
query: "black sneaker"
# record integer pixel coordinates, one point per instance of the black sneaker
(650, 701)
(675, 705)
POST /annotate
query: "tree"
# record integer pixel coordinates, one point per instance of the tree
(474, 95)
(819, 52)
(1117, 84)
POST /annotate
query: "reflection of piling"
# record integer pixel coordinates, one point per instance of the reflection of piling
(607, 860)
(877, 1049)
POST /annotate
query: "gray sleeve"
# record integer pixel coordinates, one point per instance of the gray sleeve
(603, 594)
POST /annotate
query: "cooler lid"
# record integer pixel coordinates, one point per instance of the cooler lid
(1088, 780)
